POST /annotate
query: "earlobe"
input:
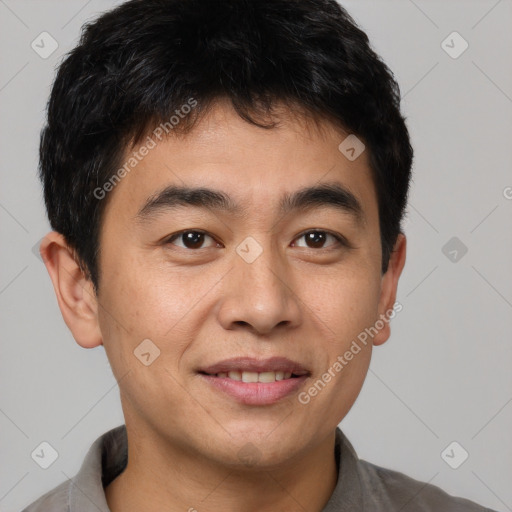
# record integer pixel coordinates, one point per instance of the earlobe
(389, 287)
(75, 293)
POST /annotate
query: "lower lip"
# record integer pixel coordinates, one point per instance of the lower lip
(256, 393)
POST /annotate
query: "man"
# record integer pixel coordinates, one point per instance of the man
(225, 181)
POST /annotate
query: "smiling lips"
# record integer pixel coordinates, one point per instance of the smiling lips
(256, 381)
(254, 376)
(246, 369)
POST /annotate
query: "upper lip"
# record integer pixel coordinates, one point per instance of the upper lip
(249, 364)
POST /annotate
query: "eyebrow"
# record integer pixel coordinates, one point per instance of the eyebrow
(325, 194)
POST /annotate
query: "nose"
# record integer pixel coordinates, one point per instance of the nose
(260, 295)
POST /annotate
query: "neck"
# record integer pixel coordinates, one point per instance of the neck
(178, 481)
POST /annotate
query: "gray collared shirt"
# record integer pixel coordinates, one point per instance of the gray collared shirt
(361, 486)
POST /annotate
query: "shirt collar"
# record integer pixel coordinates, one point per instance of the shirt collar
(108, 456)
(348, 493)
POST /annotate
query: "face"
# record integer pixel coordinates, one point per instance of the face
(251, 287)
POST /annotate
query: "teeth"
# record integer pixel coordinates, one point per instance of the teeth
(249, 377)
(255, 376)
(266, 377)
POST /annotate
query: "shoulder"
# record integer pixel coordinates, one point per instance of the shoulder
(55, 500)
(392, 490)
(105, 459)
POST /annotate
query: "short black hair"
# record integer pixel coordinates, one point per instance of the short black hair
(136, 64)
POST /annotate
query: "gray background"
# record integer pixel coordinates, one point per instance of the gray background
(445, 373)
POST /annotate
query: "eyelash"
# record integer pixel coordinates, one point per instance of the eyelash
(339, 238)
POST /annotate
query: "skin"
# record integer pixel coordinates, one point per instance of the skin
(203, 305)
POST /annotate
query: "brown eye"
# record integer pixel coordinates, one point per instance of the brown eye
(316, 239)
(190, 239)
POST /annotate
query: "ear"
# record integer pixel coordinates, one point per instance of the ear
(389, 286)
(75, 293)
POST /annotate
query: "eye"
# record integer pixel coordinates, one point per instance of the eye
(315, 239)
(191, 239)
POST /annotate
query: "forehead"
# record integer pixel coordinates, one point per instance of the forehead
(257, 170)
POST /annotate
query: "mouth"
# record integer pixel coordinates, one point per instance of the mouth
(247, 376)
(255, 382)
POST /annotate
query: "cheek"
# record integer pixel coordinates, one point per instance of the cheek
(140, 295)
(344, 305)
(345, 302)
(161, 304)
(139, 306)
